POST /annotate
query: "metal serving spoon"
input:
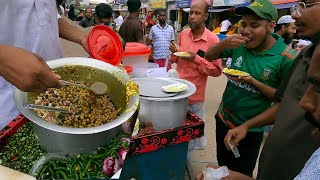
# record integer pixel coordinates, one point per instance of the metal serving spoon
(46, 108)
(99, 88)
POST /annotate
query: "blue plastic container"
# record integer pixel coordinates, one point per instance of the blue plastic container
(164, 164)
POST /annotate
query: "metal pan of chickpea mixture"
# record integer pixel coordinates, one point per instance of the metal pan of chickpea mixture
(93, 133)
(93, 119)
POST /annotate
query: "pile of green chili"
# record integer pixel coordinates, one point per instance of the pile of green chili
(22, 151)
(81, 166)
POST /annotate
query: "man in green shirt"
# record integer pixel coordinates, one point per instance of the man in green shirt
(262, 54)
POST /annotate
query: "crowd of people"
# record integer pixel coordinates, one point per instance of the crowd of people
(282, 89)
(290, 151)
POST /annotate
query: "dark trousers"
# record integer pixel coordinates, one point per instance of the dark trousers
(224, 33)
(248, 148)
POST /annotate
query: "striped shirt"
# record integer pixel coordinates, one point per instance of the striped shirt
(162, 38)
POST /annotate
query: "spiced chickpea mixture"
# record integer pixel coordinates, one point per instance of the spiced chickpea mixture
(87, 109)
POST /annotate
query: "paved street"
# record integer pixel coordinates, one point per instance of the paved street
(215, 88)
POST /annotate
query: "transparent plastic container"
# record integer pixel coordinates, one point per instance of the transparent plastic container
(140, 70)
(136, 55)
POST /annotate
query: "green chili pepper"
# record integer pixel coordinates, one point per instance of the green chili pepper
(81, 164)
(76, 174)
(51, 172)
(87, 165)
(44, 168)
(82, 173)
(62, 168)
(63, 174)
(88, 175)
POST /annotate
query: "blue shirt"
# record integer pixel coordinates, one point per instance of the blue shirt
(311, 170)
(162, 38)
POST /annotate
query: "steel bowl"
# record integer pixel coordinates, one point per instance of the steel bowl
(56, 138)
(168, 112)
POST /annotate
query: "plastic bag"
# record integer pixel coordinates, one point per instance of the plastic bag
(47, 157)
(215, 174)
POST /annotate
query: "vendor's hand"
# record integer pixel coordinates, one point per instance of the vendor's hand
(243, 79)
(189, 58)
(234, 41)
(234, 136)
(25, 70)
(84, 44)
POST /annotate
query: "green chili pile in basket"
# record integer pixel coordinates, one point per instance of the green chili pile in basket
(22, 151)
(81, 166)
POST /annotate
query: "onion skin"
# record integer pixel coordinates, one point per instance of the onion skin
(122, 155)
(117, 166)
(108, 166)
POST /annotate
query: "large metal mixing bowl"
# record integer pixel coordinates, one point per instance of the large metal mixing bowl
(56, 138)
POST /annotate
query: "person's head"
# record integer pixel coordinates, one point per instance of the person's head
(162, 16)
(59, 2)
(311, 98)
(198, 14)
(116, 13)
(148, 28)
(258, 21)
(88, 12)
(307, 21)
(133, 6)
(71, 8)
(286, 28)
(103, 12)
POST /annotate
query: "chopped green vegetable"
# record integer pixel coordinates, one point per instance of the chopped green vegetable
(22, 151)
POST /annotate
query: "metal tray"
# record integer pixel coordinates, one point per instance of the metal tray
(153, 87)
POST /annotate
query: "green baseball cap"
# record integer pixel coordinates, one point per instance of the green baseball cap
(262, 8)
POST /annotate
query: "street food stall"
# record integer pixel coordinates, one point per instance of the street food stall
(139, 127)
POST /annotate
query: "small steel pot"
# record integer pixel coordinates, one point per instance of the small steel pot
(169, 112)
(56, 138)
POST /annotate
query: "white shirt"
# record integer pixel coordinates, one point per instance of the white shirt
(62, 9)
(118, 21)
(225, 25)
(31, 25)
(311, 170)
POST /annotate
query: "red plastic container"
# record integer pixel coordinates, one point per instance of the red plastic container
(105, 45)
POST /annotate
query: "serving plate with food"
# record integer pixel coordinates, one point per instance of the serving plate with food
(176, 87)
(182, 54)
(235, 73)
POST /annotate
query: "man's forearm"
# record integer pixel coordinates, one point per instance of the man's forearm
(69, 32)
(214, 51)
(265, 118)
(266, 90)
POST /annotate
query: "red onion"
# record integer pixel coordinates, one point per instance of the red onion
(125, 141)
(122, 154)
(117, 166)
(108, 165)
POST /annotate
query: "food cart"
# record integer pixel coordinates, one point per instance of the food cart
(156, 150)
